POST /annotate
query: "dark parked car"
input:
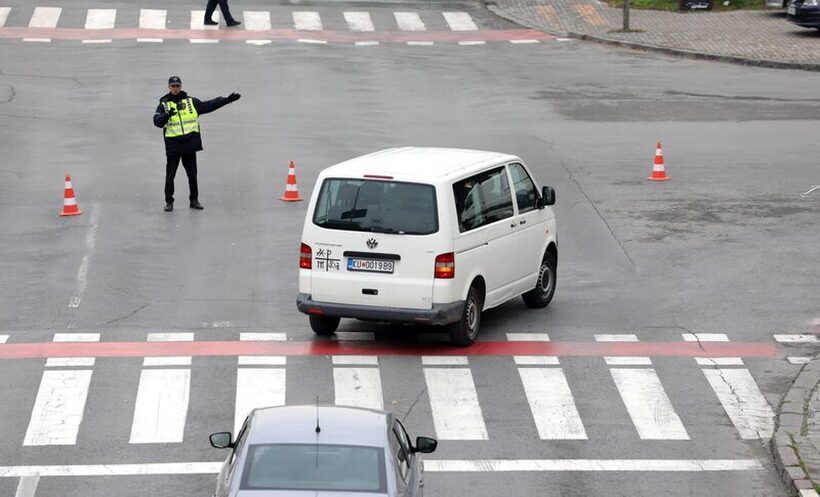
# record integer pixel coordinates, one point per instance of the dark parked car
(321, 451)
(804, 13)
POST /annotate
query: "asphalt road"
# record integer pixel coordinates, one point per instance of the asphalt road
(727, 246)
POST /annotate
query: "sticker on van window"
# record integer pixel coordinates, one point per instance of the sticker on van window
(326, 261)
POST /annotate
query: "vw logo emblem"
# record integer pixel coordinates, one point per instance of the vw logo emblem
(372, 243)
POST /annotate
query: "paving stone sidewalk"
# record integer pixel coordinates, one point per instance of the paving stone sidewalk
(755, 37)
(797, 432)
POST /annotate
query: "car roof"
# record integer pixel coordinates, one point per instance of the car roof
(426, 164)
(339, 425)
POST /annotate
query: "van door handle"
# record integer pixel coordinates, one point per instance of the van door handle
(513, 225)
(523, 221)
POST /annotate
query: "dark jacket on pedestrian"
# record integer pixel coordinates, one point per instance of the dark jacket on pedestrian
(191, 142)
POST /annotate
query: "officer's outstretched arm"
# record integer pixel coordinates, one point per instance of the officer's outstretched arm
(160, 117)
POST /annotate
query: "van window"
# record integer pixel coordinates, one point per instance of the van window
(377, 206)
(482, 199)
(525, 193)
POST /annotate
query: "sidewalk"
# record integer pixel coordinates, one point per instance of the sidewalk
(753, 37)
(797, 432)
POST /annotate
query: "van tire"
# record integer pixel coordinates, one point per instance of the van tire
(323, 325)
(464, 331)
(541, 295)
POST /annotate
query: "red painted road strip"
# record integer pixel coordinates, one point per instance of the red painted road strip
(273, 34)
(237, 348)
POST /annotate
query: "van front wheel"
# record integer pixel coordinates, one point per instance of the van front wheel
(544, 289)
(464, 331)
(323, 325)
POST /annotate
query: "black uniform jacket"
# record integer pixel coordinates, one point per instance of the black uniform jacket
(192, 142)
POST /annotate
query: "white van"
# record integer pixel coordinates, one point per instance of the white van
(426, 235)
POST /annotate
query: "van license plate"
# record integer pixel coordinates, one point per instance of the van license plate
(370, 265)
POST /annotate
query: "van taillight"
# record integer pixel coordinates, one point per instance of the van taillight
(445, 265)
(305, 257)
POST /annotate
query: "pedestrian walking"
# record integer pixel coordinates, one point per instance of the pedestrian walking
(178, 115)
(226, 13)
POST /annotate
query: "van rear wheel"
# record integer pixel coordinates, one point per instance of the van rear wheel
(323, 325)
(464, 331)
(541, 295)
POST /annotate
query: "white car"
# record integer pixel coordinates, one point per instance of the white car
(426, 235)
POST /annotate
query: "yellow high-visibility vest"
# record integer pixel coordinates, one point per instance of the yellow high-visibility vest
(185, 121)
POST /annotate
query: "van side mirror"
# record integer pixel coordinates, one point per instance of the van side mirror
(547, 197)
(221, 440)
(425, 445)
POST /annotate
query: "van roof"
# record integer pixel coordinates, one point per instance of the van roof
(417, 163)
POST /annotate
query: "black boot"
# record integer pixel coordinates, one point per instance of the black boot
(210, 22)
(169, 206)
(196, 205)
(233, 22)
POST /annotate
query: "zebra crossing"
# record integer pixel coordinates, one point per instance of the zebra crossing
(44, 24)
(160, 409)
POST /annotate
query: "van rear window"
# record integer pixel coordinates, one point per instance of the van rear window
(377, 206)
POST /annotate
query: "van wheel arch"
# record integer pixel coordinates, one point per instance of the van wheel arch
(481, 287)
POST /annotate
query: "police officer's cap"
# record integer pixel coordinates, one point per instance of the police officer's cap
(174, 80)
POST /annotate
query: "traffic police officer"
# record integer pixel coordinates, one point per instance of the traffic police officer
(179, 115)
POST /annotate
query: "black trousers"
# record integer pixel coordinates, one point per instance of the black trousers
(223, 5)
(189, 163)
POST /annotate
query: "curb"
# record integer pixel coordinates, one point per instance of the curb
(493, 7)
(790, 438)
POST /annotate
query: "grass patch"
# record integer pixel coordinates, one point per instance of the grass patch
(672, 5)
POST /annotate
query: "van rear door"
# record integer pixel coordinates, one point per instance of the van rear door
(372, 240)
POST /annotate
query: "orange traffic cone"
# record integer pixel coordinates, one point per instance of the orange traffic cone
(291, 191)
(70, 207)
(658, 171)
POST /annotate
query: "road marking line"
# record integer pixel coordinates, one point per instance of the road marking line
(498, 465)
(648, 405)
(719, 361)
(313, 42)
(799, 360)
(359, 21)
(796, 338)
(45, 17)
(307, 21)
(4, 338)
(444, 361)
(616, 338)
(551, 404)
(152, 19)
(705, 337)
(167, 361)
(262, 360)
(198, 24)
(76, 337)
(358, 387)
(161, 406)
(469, 43)
(354, 336)
(523, 42)
(171, 337)
(58, 409)
(366, 43)
(90, 244)
(100, 19)
(528, 337)
(56, 362)
(459, 21)
(27, 487)
(258, 387)
(355, 360)
(409, 21)
(628, 361)
(743, 402)
(529, 360)
(189, 468)
(454, 404)
(4, 15)
(257, 21)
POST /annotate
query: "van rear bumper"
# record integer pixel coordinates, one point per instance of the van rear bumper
(439, 314)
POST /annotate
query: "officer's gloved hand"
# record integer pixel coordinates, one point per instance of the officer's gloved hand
(171, 113)
(233, 97)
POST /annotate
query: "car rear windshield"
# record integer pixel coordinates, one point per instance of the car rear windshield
(343, 468)
(377, 206)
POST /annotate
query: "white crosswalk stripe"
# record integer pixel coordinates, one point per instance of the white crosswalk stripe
(4, 15)
(198, 23)
(743, 402)
(44, 17)
(307, 21)
(357, 381)
(648, 405)
(259, 386)
(460, 21)
(454, 402)
(359, 21)
(152, 19)
(409, 21)
(552, 404)
(100, 19)
(257, 21)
